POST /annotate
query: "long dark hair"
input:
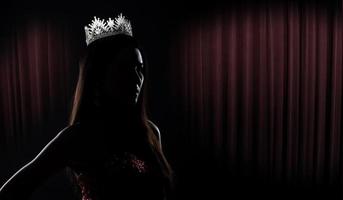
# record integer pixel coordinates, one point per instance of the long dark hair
(91, 68)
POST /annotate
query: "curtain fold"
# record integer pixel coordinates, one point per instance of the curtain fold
(38, 68)
(260, 92)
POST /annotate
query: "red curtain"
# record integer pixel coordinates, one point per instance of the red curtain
(259, 91)
(38, 66)
(256, 95)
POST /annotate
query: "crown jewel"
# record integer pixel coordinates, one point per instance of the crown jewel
(101, 28)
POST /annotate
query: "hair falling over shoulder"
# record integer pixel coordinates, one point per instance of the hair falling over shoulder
(83, 107)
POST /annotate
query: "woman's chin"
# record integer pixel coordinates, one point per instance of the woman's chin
(129, 103)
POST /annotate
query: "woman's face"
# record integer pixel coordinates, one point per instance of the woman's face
(124, 77)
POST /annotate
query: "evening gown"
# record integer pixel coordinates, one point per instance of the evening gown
(122, 173)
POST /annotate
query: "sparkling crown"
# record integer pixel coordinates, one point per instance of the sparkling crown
(100, 29)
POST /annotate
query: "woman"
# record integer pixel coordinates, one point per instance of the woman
(110, 146)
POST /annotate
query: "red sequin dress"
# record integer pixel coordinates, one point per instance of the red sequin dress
(119, 176)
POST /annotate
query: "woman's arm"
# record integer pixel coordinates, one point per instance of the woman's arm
(50, 160)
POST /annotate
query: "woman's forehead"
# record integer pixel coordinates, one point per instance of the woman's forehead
(138, 55)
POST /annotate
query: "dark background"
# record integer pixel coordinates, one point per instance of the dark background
(227, 130)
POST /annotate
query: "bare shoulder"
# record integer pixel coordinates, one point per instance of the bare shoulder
(155, 129)
(62, 143)
(66, 135)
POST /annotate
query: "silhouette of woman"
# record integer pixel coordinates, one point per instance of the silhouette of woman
(111, 148)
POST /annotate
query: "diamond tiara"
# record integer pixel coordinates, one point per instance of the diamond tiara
(100, 29)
